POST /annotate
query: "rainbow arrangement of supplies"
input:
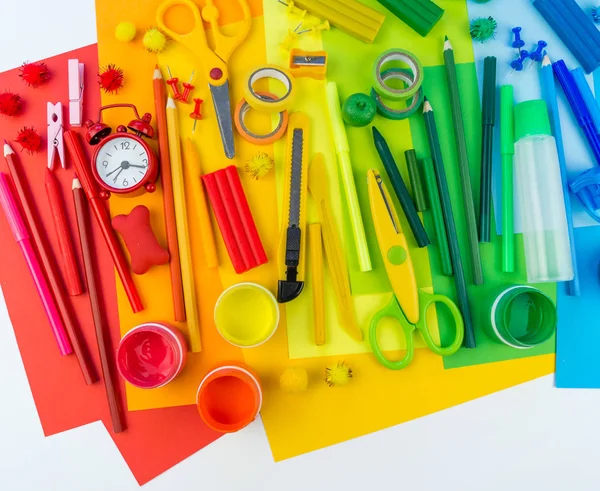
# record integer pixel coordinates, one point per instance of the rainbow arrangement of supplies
(326, 187)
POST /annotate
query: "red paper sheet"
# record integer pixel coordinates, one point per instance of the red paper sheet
(157, 439)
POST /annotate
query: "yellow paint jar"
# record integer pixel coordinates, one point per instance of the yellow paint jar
(246, 315)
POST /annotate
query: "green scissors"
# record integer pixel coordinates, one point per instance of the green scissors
(409, 304)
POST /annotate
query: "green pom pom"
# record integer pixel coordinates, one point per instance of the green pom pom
(125, 32)
(482, 1)
(483, 28)
(359, 110)
(154, 40)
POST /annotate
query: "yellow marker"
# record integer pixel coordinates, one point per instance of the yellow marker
(318, 184)
(316, 268)
(183, 234)
(206, 231)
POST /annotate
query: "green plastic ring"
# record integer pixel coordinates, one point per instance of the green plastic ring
(413, 64)
(412, 105)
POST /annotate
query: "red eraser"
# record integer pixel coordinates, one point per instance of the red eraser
(143, 247)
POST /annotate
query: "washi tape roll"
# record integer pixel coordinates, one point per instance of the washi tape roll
(413, 64)
(412, 104)
(240, 122)
(270, 105)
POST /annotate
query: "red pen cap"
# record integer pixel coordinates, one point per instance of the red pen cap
(11, 209)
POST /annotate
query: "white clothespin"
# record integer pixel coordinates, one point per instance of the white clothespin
(55, 135)
(76, 71)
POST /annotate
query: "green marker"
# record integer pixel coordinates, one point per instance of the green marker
(507, 150)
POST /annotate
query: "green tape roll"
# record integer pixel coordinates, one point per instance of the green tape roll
(412, 105)
(413, 64)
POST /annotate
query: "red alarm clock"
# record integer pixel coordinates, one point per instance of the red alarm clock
(123, 163)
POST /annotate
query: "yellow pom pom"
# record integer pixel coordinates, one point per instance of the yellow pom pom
(154, 40)
(293, 380)
(125, 32)
(259, 165)
(338, 375)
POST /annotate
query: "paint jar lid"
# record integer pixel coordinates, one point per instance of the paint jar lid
(523, 317)
(229, 398)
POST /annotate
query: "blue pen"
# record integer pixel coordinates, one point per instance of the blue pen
(549, 95)
(588, 97)
(578, 106)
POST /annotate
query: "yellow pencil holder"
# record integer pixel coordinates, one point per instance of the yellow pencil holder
(246, 315)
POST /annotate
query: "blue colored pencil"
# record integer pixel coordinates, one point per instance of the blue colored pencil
(549, 94)
(588, 97)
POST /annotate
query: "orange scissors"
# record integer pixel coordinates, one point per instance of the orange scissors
(214, 61)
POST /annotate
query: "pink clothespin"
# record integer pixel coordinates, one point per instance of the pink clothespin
(55, 135)
(76, 72)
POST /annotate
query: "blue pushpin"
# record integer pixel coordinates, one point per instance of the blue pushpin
(517, 65)
(518, 43)
(538, 54)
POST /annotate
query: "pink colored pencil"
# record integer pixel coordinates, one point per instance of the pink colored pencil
(19, 230)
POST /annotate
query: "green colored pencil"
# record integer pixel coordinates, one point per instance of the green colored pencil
(438, 217)
(440, 174)
(463, 163)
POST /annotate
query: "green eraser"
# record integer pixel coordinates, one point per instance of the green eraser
(420, 15)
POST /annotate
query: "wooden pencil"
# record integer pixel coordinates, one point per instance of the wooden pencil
(440, 174)
(183, 233)
(102, 332)
(82, 353)
(160, 101)
(463, 163)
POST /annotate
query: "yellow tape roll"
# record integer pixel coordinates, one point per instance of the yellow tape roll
(265, 104)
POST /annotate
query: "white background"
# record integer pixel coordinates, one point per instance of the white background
(532, 437)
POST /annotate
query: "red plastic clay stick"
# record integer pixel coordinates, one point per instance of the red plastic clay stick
(98, 207)
(235, 219)
(258, 251)
(67, 251)
(212, 190)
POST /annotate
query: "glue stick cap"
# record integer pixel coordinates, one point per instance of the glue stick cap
(531, 119)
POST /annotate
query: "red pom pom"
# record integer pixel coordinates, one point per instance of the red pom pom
(10, 104)
(29, 139)
(110, 79)
(34, 74)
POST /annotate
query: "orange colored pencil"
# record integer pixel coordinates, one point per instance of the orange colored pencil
(160, 101)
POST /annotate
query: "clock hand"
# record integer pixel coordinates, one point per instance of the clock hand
(117, 176)
(138, 166)
(115, 170)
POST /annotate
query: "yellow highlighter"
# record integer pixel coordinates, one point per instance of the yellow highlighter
(343, 153)
(315, 247)
(194, 172)
(318, 184)
(183, 233)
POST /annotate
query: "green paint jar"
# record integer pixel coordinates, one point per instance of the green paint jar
(523, 317)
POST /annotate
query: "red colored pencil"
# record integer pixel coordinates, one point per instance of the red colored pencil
(160, 101)
(49, 266)
(102, 333)
(59, 215)
(103, 218)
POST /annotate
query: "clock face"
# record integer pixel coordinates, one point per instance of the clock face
(122, 163)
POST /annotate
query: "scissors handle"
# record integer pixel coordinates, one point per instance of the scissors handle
(393, 311)
(225, 45)
(428, 300)
(214, 68)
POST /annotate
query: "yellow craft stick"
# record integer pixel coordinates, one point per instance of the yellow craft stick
(183, 234)
(316, 268)
(206, 231)
(318, 185)
(343, 153)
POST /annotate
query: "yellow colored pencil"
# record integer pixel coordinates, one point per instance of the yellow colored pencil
(195, 171)
(315, 247)
(183, 234)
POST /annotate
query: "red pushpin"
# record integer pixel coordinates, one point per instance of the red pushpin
(187, 89)
(196, 115)
(173, 81)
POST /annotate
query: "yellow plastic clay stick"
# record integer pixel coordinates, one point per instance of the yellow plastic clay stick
(316, 269)
(194, 171)
(343, 154)
(183, 235)
(318, 185)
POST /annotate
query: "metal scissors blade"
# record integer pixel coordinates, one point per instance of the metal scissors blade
(222, 103)
(55, 135)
